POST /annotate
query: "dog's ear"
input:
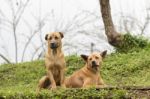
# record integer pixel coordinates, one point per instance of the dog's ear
(46, 37)
(103, 54)
(85, 57)
(61, 34)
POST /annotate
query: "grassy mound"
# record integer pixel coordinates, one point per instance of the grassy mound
(119, 69)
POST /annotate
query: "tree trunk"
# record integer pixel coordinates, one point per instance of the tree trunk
(113, 36)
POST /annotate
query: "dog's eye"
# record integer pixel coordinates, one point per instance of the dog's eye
(56, 37)
(90, 58)
(97, 57)
(50, 38)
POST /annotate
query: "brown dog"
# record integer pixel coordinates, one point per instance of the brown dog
(88, 75)
(54, 61)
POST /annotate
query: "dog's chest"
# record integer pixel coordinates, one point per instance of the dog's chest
(55, 67)
(55, 71)
(56, 62)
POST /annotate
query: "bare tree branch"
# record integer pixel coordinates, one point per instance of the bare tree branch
(35, 52)
(146, 23)
(16, 18)
(4, 58)
(29, 40)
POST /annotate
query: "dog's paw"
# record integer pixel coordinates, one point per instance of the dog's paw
(53, 87)
(101, 86)
(63, 85)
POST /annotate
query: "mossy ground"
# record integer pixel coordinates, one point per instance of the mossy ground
(119, 69)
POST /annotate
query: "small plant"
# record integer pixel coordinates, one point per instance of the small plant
(132, 43)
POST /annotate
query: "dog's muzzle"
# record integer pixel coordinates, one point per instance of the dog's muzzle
(94, 64)
(53, 46)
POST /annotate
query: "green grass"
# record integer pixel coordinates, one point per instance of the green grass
(20, 80)
(131, 68)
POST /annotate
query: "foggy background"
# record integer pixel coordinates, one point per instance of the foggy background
(27, 22)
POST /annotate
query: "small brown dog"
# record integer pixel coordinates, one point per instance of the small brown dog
(88, 75)
(54, 61)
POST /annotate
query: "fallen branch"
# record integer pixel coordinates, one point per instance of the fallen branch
(142, 88)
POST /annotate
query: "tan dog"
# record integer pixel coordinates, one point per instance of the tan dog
(54, 61)
(88, 76)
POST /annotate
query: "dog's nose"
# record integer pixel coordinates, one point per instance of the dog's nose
(53, 45)
(93, 63)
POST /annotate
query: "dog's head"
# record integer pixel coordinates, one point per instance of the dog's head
(94, 60)
(54, 39)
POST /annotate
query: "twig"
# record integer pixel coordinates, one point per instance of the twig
(4, 58)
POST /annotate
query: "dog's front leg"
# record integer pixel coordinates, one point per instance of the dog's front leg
(101, 83)
(87, 83)
(62, 78)
(50, 76)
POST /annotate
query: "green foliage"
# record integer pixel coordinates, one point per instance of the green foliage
(127, 69)
(21, 74)
(19, 81)
(132, 43)
(66, 94)
(73, 63)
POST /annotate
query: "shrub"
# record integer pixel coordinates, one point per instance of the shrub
(132, 43)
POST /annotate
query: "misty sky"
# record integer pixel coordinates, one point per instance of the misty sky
(57, 14)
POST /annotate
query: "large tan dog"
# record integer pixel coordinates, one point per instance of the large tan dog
(88, 75)
(54, 61)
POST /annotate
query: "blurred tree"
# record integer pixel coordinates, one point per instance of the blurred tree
(113, 36)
